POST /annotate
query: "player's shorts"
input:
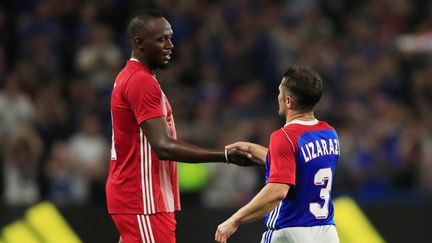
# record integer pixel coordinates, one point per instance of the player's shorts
(153, 228)
(313, 234)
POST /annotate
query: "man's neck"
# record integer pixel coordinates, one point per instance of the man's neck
(135, 57)
(302, 116)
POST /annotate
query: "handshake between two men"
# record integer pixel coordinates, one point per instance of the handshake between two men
(246, 154)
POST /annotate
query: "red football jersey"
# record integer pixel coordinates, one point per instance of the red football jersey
(138, 182)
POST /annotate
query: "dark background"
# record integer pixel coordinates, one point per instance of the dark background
(58, 61)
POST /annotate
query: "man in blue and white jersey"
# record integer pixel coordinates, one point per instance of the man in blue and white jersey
(300, 164)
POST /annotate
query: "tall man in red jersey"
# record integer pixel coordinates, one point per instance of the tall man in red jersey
(142, 186)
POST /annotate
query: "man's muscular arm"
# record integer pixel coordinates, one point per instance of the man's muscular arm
(157, 132)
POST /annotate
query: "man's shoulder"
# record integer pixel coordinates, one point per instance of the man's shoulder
(277, 133)
(283, 135)
(325, 125)
(131, 71)
(142, 75)
(134, 77)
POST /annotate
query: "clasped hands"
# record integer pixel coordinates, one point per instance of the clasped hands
(245, 154)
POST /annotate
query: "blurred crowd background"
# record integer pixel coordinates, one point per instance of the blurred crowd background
(58, 61)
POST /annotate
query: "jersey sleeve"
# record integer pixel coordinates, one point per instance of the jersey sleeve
(282, 159)
(144, 96)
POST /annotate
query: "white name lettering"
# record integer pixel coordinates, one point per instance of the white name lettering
(318, 148)
(311, 146)
(324, 146)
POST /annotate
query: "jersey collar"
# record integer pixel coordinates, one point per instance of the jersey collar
(133, 59)
(306, 123)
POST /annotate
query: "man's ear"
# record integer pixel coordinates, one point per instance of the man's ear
(289, 102)
(138, 42)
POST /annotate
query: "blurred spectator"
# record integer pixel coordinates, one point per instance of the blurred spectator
(87, 15)
(425, 176)
(21, 157)
(231, 185)
(15, 107)
(52, 113)
(3, 67)
(60, 175)
(77, 168)
(52, 120)
(88, 155)
(100, 58)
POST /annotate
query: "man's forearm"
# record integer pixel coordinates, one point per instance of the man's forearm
(265, 201)
(167, 148)
(189, 153)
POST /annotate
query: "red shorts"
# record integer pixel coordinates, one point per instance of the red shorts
(153, 228)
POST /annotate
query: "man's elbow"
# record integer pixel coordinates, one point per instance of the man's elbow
(281, 193)
(163, 150)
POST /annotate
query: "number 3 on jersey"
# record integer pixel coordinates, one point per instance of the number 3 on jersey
(320, 179)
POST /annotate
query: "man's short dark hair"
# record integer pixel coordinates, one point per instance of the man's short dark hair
(139, 19)
(305, 85)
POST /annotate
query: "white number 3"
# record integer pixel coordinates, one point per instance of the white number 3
(320, 178)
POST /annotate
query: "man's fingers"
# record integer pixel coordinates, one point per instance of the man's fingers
(233, 145)
(245, 154)
(218, 236)
(238, 145)
(221, 239)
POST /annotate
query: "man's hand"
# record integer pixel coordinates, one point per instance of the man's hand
(225, 230)
(241, 158)
(253, 151)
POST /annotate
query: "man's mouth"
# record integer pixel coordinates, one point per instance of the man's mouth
(167, 56)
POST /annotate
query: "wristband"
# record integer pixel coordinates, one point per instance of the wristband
(226, 156)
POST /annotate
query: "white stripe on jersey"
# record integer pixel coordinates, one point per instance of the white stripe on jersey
(276, 215)
(146, 175)
(150, 175)
(143, 182)
(292, 144)
(146, 221)
(144, 237)
(271, 223)
(113, 150)
(270, 217)
(166, 187)
(146, 179)
(268, 236)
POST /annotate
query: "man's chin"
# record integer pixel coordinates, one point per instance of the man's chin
(160, 65)
(163, 65)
